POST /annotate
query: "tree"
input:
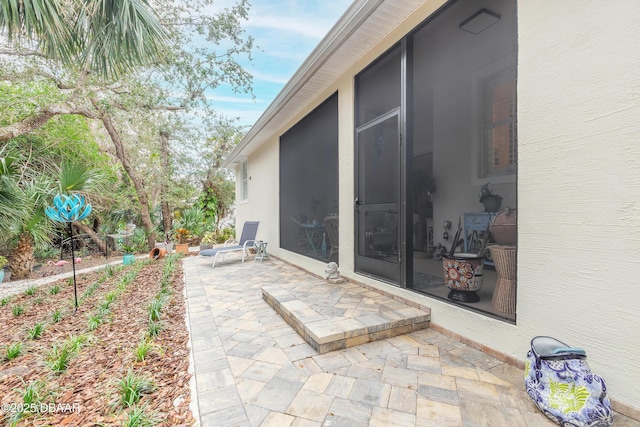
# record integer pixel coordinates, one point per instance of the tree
(136, 109)
(102, 36)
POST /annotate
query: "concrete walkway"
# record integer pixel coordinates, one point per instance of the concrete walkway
(252, 369)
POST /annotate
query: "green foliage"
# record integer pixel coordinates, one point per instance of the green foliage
(12, 351)
(17, 310)
(54, 289)
(32, 395)
(38, 301)
(31, 290)
(138, 417)
(36, 331)
(56, 316)
(58, 358)
(154, 328)
(143, 349)
(4, 301)
(192, 219)
(131, 388)
(155, 308)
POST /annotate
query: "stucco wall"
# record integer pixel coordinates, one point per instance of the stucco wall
(578, 188)
(579, 182)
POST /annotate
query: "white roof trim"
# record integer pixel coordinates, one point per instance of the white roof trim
(335, 56)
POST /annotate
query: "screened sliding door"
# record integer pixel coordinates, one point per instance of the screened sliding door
(378, 198)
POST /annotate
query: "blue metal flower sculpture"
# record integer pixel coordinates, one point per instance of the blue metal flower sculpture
(69, 209)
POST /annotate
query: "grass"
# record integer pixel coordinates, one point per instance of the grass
(143, 349)
(155, 308)
(12, 351)
(17, 310)
(132, 387)
(32, 395)
(56, 316)
(138, 418)
(58, 358)
(154, 328)
(31, 290)
(38, 301)
(94, 322)
(54, 290)
(35, 332)
(4, 301)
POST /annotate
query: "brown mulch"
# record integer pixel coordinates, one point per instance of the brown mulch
(91, 379)
(45, 269)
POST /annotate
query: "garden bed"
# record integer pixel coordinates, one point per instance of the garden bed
(128, 333)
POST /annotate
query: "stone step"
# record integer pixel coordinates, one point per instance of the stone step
(334, 316)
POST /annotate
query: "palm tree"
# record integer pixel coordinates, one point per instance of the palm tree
(108, 37)
(29, 228)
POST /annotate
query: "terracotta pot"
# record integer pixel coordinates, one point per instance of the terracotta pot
(504, 227)
(157, 253)
(182, 248)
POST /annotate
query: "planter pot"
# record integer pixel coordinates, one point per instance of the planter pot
(157, 253)
(182, 248)
(1, 275)
(128, 259)
(204, 246)
(463, 275)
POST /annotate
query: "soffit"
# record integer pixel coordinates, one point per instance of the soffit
(359, 30)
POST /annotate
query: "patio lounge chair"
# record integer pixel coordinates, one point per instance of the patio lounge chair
(247, 240)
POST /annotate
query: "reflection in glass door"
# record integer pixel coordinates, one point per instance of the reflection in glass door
(378, 197)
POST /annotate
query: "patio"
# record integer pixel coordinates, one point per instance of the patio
(252, 368)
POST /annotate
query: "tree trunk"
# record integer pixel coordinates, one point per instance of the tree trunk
(138, 184)
(164, 188)
(22, 259)
(94, 236)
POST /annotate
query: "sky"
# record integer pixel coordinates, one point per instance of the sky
(286, 32)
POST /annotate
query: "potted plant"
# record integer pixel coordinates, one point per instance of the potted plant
(490, 201)
(3, 262)
(208, 240)
(128, 257)
(183, 235)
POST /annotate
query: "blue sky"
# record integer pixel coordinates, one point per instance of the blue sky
(286, 31)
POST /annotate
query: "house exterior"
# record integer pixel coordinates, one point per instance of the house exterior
(408, 107)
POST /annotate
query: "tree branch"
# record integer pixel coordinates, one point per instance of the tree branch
(32, 123)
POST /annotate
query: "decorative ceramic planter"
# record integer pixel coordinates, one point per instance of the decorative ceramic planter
(128, 259)
(1, 275)
(157, 253)
(182, 248)
(463, 275)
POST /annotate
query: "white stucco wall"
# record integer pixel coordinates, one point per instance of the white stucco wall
(578, 188)
(579, 182)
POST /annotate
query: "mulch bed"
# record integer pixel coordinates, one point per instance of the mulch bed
(90, 381)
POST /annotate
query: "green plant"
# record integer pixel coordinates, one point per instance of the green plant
(32, 396)
(17, 310)
(3, 261)
(143, 349)
(38, 301)
(94, 322)
(154, 308)
(35, 332)
(132, 387)
(154, 328)
(58, 358)
(54, 290)
(31, 290)
(4, 301)
(75, 342)
(138, 417)
(57, 316)
(128, 249)
(12, 351)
